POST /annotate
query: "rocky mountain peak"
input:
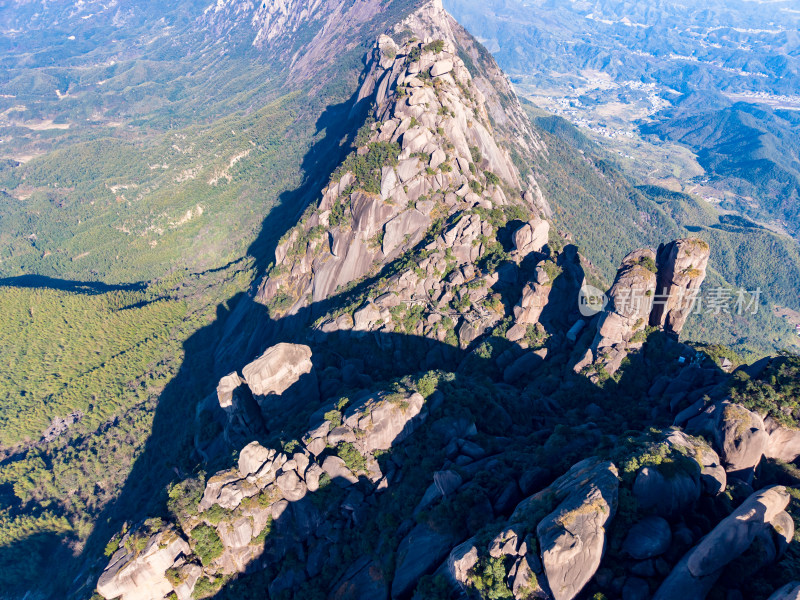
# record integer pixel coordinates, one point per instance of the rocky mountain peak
(429, 180)
(418, 422)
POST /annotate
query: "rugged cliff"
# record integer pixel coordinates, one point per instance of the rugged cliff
(434, 416)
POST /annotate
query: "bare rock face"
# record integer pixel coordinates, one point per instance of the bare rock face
(132, 575)
(696, 573)
(630, 301)
(738, 435)
(531, 237)
(572, 537)
(681, 270)
(282, 377)
(381, 421)
(783, 443)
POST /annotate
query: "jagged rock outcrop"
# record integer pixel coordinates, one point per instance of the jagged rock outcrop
(681, 269)
(528, 311)
(135, 573)
(656, 289)
(630, 301)
(531, 237)
(428, 248)
(429, 160)
(696, 573)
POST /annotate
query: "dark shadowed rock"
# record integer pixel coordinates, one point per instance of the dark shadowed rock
(791, 591)
(666, 493)
(694, 576)
(635, 589)
(420, 552)
(363, 580)
(648, 538)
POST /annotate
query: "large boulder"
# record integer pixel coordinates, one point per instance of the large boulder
(689, 467)
(252, 457)
(572, 537)
(382, 420)
(283, 377)
(681, 270)
(648, 538)
(420, 552)
(783, 443)
(531, 237)
(134, 575)
(739, 436)
(696, 573)
(712, 474)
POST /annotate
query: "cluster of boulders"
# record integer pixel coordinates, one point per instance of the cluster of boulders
(268, 489)
(555, 538)
(550, 539)
(743, 437)
(139, 574)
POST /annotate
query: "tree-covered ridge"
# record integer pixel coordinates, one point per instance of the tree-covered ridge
(196, 197)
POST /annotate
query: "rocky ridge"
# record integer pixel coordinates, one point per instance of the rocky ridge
(428, 435)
